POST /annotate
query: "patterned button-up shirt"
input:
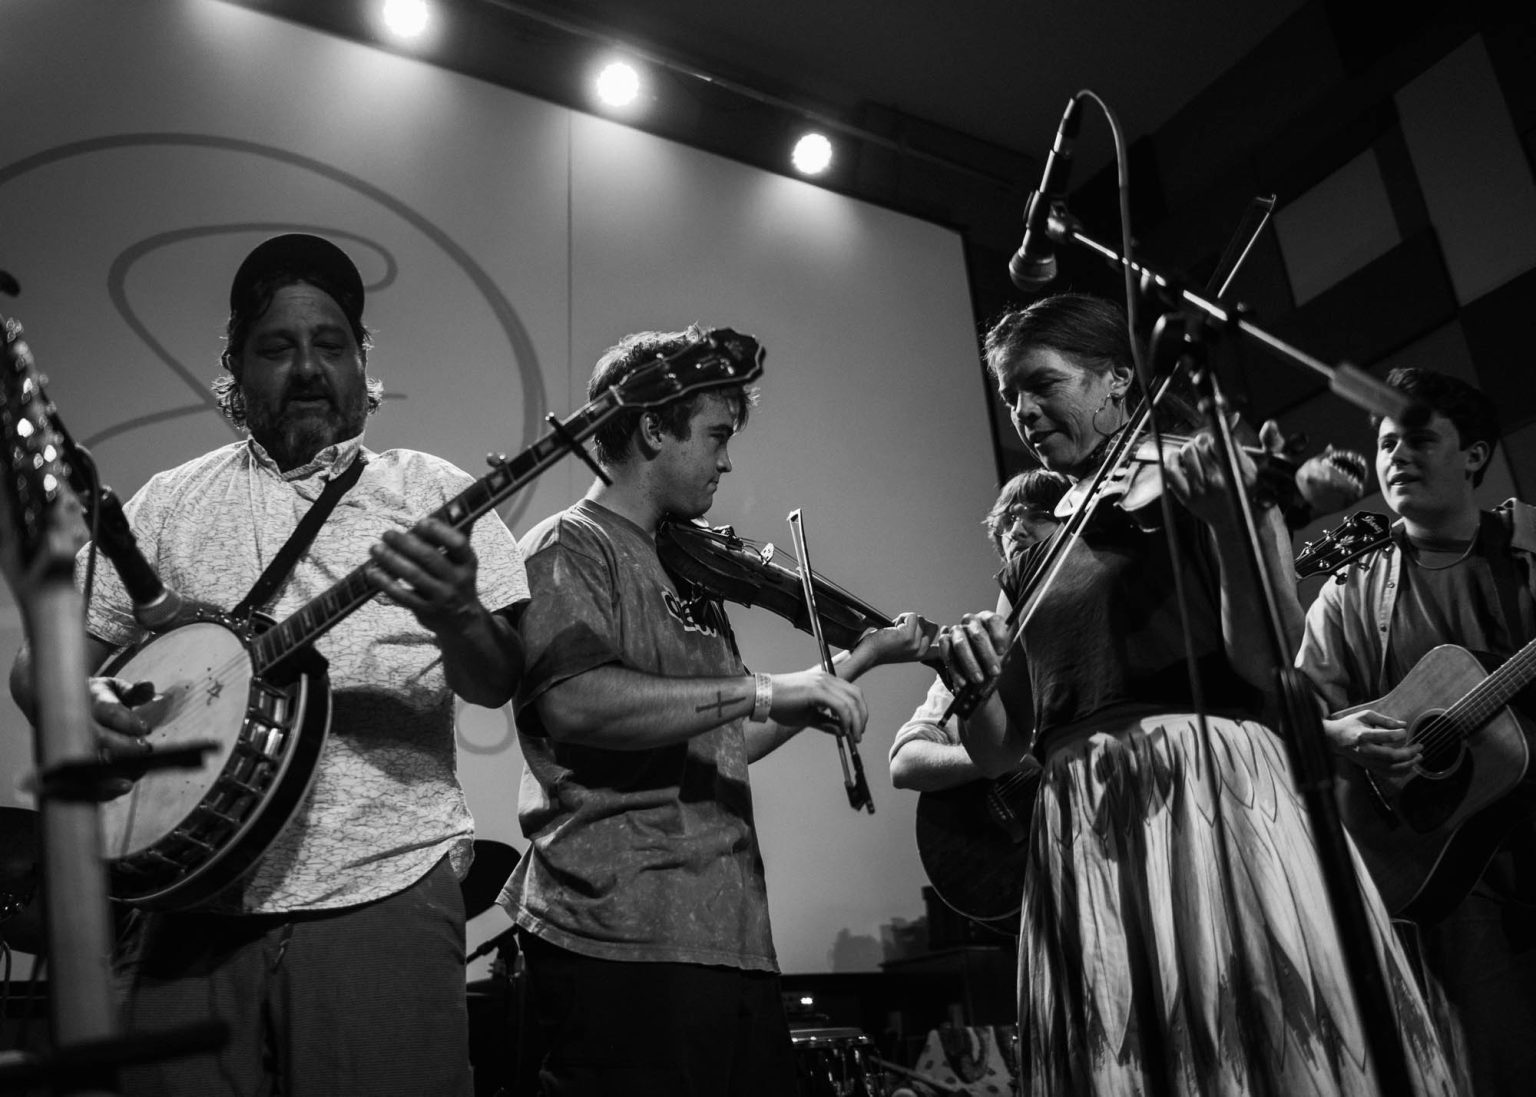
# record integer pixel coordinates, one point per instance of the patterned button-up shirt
(386, 804)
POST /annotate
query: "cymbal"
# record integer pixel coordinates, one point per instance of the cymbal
(494, 862)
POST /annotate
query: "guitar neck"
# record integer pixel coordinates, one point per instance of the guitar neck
(1497, 690)
(322, 613)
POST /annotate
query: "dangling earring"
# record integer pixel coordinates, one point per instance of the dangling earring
(1110, 396)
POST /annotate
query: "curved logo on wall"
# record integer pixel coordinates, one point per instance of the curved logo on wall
(110, 216)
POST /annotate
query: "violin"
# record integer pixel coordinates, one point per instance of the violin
(1129, 479)
(714, 559)
(1137, 482)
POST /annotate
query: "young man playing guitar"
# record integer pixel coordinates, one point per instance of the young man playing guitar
(337, 961)
(1450, 574)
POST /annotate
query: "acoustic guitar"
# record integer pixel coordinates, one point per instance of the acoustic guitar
(1427, 839)
(1357, 534)
(973, 841)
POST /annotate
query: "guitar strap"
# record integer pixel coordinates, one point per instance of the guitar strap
(301, 538)
(1508, 581)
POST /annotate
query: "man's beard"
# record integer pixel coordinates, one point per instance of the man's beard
(292, 440)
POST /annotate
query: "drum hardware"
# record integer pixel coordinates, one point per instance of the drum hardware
(836, 1062)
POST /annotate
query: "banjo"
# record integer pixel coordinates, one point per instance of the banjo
(258, 689)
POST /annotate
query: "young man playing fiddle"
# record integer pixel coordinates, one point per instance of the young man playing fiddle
(641, 900)
(1450, 574)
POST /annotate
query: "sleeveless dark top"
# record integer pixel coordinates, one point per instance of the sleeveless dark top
(1108, 631)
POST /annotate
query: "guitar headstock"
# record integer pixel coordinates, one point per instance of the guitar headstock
(1358, 534)
(723, 357)
(33, 476)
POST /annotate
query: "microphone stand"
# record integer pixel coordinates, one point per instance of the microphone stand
(74, 877)
(87, 1046)
(1298, 720)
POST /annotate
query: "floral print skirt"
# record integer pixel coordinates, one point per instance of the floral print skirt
(1176, 933)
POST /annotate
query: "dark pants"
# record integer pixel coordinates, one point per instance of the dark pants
(656, 1030)
(366, 1001)
(1483, 956)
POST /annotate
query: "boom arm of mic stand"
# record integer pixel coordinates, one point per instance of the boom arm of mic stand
(1347, 381)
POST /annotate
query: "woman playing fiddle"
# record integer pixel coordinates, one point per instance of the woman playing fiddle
(1176, 936)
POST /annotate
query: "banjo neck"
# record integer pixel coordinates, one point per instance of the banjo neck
(721, 358)
(507, 476)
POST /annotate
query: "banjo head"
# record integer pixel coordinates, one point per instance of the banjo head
(202, 676)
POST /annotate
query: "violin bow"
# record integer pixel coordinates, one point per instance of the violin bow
(969, 698)
(847, 750)
(1254, 218)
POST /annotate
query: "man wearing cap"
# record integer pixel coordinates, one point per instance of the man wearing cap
(338, 962)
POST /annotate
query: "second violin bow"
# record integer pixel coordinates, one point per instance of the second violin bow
(847, 750)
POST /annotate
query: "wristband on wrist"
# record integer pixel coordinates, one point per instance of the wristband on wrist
(762, 696)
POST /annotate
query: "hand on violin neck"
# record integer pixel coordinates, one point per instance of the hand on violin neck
(908, 639)
(814, 698)
(1197, 476)
(973, 650)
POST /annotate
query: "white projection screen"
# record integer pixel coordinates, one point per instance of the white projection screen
(506, 242)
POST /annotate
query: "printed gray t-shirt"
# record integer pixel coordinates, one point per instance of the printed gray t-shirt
(647, 855)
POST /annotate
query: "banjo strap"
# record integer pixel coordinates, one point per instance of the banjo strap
(301, 538)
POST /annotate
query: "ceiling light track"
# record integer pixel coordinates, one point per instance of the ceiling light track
(606, 39)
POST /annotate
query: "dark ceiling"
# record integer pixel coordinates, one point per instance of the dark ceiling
(948, 106)
(997, 70)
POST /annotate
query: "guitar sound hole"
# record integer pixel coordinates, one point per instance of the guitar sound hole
(1443, 747)
(1445, 774)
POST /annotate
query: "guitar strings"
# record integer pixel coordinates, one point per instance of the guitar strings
(1466, 714)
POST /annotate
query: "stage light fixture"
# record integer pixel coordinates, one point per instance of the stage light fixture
(618, 85)
(406, 18)
(812, 155)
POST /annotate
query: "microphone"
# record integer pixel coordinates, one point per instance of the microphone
(155, 606)
(1033, 266)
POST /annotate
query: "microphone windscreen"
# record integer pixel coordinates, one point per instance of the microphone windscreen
(1031, 274)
